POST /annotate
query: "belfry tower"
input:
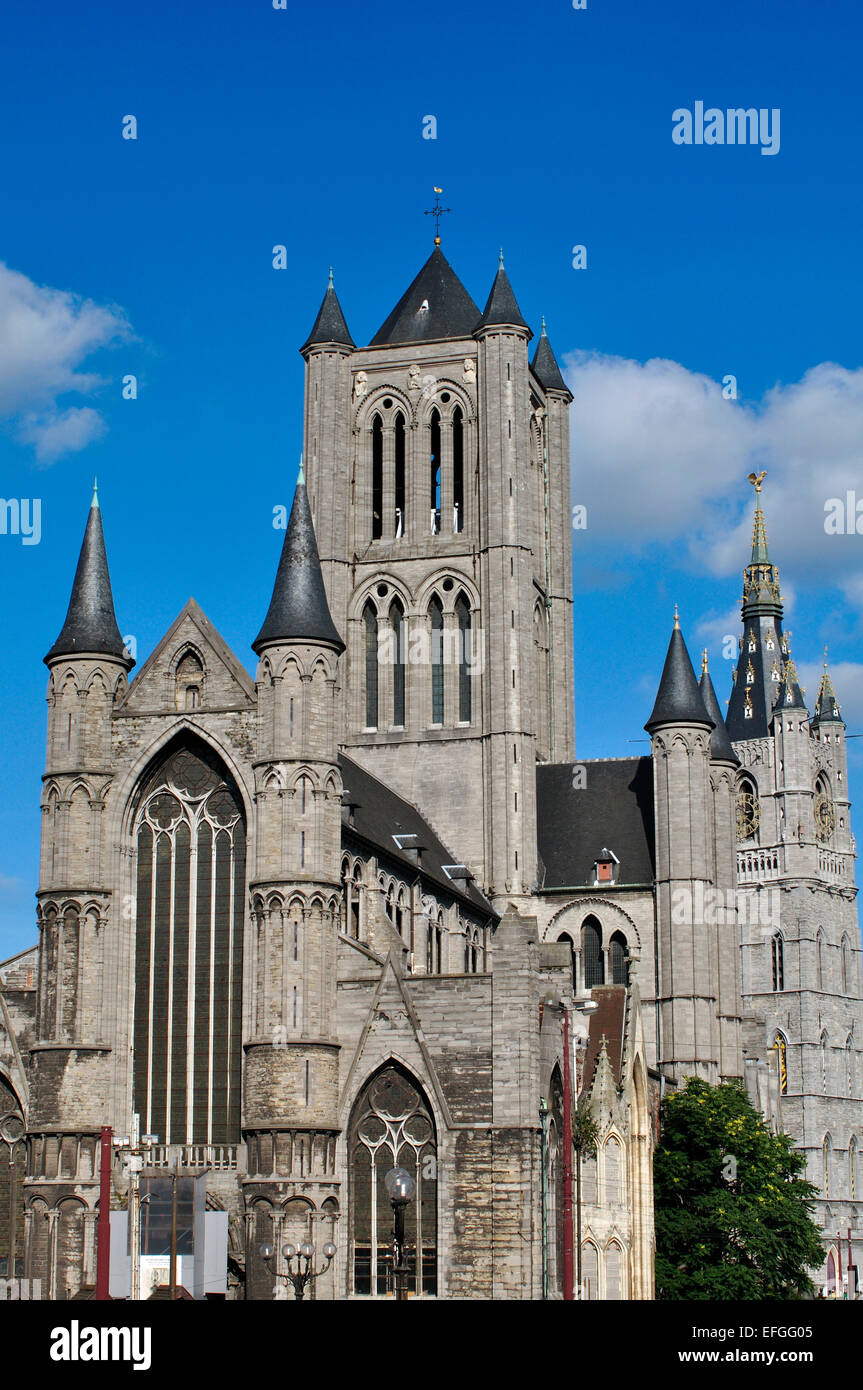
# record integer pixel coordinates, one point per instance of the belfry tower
(438, 468)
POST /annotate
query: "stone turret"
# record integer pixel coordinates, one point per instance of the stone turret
(291, 1078)
(680, 730)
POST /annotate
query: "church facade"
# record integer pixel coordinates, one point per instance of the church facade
(346, 916)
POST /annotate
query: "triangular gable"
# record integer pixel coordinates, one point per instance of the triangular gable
(226, 684)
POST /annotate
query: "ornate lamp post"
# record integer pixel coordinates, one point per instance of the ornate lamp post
(304, 1271)
(401, 1188)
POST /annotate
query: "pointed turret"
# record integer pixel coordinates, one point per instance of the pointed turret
(721, 748)
(764, 648)
(545, 367)
(435, 305)
(91, 624)
(678, 700)
(298, 609)
(501, 307)
(827, 706)
(330, 326)
(789, 696)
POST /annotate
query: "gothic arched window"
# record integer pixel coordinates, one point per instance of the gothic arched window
(613, 1193)
(823, 1047)
(191, 856)
(437, 695)
(852, 1168)
(457, 470)
(434, 472)
(392, 1126)
(618, 960)
(370, 639)
(781, 1046)
(397, 628)
(777, 961)
(819, 959)
(377, 478)
(590, 1270)
(614, 1272)
(594, 964)
(189, 679)
(400, 494)
(826, 1164)
(849, 1064)
(845, 965)
(465, 655)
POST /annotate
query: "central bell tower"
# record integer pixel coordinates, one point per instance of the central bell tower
(438, 474)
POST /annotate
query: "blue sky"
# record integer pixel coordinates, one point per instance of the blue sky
(304, 127)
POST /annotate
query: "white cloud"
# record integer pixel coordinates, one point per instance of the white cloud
(659, 456)
(46, 336)
(847, 678)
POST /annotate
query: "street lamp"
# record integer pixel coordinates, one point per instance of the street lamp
(304, 1272)
(401, 1188)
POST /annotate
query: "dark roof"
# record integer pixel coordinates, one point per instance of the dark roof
(721, 749)
(758, 694)
(379, 813)
(678, 700)
(790, 695)
(609, 1022)
(827, 706)
(330, 326)
(298, 609)
(91, 625)
(614, 807)
(451, 312)
(545, 367)
(501, 307)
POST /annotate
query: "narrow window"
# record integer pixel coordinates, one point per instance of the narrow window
(397, 625)
(778, 962)
(457, 470)
(370, 622)
(291, 717)
(618, 960)
(434, 460)
(377, 478)
(782, 1056)
(462, 610)
(399, 528)
(436, 615)
(594, 965)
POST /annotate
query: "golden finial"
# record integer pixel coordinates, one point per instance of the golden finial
(756, 479)
(704, 662)
(825, 658)
(676, 617)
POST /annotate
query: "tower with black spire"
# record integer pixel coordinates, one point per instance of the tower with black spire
(438, 477)
(799, 935)
(71, 1063)
(291, 1071)
(680, 728)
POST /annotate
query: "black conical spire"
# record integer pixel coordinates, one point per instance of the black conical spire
(330, 326)
(827, 709)
(299, 610)
(501, 306)
(678, 700)
(721, 747)
(545, 367)
(435, 305)
(91, 625)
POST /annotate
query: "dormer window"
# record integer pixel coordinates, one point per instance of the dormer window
(606, 867)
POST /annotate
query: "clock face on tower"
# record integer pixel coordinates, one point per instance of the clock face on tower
(825, 817)
(748, 810)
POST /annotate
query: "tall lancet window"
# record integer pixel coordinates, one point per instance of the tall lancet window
(594, 963)
(434, 473)
(465, 657)
(397, 625)
(191, 848)
(457, 470)
(377, 478)
(370, 641)
(437, 701)
(400, 493)
(392, 1126)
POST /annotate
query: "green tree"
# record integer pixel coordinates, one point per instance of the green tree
(733, 1213)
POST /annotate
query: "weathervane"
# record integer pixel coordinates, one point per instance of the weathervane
(756, 479)
(437, 212)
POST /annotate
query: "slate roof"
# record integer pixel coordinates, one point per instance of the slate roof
(299, 609)
(91, 624)
(614, 809)
(721, 748)
(678, 700)
(329, 326)
(379, 813)
(451, 312)
(501, 306)
(545, 367)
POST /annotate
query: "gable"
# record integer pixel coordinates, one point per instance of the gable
(191, 668)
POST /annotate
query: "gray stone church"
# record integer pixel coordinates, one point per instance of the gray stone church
(340, 918)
